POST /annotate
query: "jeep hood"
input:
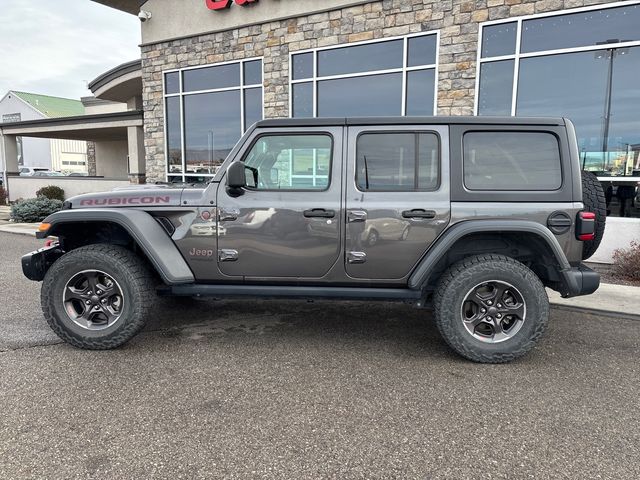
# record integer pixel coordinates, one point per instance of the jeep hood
(150, 196)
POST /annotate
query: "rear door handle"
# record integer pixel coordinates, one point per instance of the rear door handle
(319, 212)
(419, 213)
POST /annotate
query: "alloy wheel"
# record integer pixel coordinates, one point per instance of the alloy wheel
(493, 311)
(93, 300)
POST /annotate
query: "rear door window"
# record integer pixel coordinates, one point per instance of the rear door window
(511, 160)
(398, 161)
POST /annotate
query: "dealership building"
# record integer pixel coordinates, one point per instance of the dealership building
(211, 68)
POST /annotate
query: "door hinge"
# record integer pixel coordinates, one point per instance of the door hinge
(227, 255)
(356, 257)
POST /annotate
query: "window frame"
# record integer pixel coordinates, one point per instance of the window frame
(505, 131)
(404, 70)
(181, 94)
(257, 138)
(396, 132)
(517, 56)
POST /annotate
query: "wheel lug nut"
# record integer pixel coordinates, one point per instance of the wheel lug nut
(104, 300)
(88, 302)
(489, 302)
(99, 292)
(482, 310)
(489, 318)
(498, 316)
(499, 305)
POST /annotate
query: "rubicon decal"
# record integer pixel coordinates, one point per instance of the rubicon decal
(222, 4)
(97, 202)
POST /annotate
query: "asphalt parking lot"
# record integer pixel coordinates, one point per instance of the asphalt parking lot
(273, 389)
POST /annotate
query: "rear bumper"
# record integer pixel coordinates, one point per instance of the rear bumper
(580, 280)
(36, 264)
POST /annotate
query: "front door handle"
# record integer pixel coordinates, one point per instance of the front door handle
(319, 212)
(419, 213)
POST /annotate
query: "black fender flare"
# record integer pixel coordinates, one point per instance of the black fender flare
(425, 267)
(145, 231)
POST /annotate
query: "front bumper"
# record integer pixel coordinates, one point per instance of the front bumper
(36, 264)
(580, 280)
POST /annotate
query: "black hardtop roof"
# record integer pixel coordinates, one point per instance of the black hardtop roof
(453, 120)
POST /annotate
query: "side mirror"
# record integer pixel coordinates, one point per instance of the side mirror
(236, 178)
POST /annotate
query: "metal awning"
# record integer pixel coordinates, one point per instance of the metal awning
(105, 126)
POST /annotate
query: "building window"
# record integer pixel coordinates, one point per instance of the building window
(395, 76)
(581, 64)
(207, 109)
(11, 117)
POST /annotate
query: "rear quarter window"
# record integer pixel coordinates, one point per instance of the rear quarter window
(509, 160)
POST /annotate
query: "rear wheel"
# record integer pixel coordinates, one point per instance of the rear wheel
(594, 201)
(491, 308)
(98, 297)
(373, 237)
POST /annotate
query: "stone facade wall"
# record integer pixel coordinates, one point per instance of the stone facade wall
(91, 159)
(457, 21)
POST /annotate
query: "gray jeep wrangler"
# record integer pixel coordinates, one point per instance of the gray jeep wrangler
(470, 216)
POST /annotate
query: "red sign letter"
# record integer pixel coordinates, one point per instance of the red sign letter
(221, 4)
(218, 4)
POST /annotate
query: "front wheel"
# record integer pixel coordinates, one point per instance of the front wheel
(97, 297)
(491, 308)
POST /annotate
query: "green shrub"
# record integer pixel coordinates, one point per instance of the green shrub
(626, 262)
(34, 209)
(3, 196)
(51, 192)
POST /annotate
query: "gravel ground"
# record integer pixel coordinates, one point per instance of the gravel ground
(274, 389)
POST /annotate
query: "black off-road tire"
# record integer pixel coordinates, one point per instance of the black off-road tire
(134, 277)
(463, 276)
(594, 201)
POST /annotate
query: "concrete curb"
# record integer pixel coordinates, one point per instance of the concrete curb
(20, 228)
(609, 299)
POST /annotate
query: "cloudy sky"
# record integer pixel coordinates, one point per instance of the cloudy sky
(56, 47)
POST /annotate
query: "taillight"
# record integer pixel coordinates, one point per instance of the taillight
(586, 226)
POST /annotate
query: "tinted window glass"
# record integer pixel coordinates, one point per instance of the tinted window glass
(303, 100)
(174, 137)
(623, 142)
(252, 106)
(212, 127)
(578, 92)
(290, 162)
(511, 161)
(253, 72)
(422, 50)
(361, 96)
(397, 161)
(209, 78)
(302, 66)
(172, 82)
(499, 39)
(420, 87)
(592, 27)
(496, 88)
(360, 58)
